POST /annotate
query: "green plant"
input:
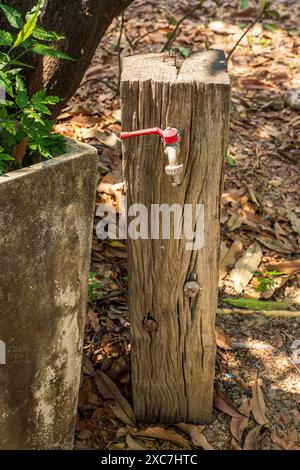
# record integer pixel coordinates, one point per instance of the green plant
(93, 286)
(265, 280)
(230, 159)
(26, 132)
(255, 304)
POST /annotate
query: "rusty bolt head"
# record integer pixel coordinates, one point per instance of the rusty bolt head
(150, 325)
(191, 288)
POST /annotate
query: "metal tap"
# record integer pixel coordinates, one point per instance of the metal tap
(171, 138)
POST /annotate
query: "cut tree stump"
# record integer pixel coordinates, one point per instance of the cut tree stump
(173, 335)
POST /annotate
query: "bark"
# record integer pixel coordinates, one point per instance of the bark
(82, 23)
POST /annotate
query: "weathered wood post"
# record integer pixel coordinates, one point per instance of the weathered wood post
(173, 288)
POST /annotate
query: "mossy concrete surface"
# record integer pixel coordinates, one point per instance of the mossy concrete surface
(46, 223)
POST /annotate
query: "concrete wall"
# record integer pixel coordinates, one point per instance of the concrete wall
(46, 219)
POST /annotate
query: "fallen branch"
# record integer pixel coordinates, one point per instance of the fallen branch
(263, 11)
(267, 313)
(173, 36)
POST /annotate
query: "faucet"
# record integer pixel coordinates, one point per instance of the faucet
(171, 138)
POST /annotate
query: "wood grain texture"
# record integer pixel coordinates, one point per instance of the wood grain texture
(173, 366)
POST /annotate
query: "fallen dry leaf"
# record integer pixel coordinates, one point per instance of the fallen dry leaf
(228, 260)
(195, 432)
(235, 221)
(165, 435)
(120, 406)
(82, 120)
(222, 403)
(284, 443)
(235, 445)
(295, 221)
(133, 444)
(224, 28)
(252, 83)
(245, 267)
(87, 366)
(20, 150)
(251, 438)
(238, 425)
(84, 435)
(257, 403)
(94, 320)
(276, 245)
(222, 339)
(286, 267)
(223, 249)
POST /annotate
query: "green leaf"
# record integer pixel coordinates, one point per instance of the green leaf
(33, 115)
(22, 64)
(43, 35)
(6, 39)
(272, 27)
(39, 96)
(4, 60)
(6, 84)
(244, 4)
(29, 26)
(9, 126)
(184, 51)
(230, 159)
(22, 99)
(173, 21)
(20, 84)
(42, 108)
(5, 157)
(49, 51)
(51, 100)
(7, 103)
(13, 16)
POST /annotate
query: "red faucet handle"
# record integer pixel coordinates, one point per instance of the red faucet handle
(169, 135)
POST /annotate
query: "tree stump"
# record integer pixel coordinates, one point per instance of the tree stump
(172, 319)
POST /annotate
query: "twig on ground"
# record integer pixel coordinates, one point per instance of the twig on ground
(173, 36)
(263, 11)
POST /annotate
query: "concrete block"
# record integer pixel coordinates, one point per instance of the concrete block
(46, 223)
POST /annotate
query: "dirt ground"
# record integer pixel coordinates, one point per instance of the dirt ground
(257, 389)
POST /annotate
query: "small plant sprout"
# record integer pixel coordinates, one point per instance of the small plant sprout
(93, 287)
(265, 280)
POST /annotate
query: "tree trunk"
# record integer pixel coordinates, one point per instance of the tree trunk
(82, 23)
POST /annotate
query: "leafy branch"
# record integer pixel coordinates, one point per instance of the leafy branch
(26, 130)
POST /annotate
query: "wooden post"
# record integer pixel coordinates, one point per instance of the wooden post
(173, 333)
